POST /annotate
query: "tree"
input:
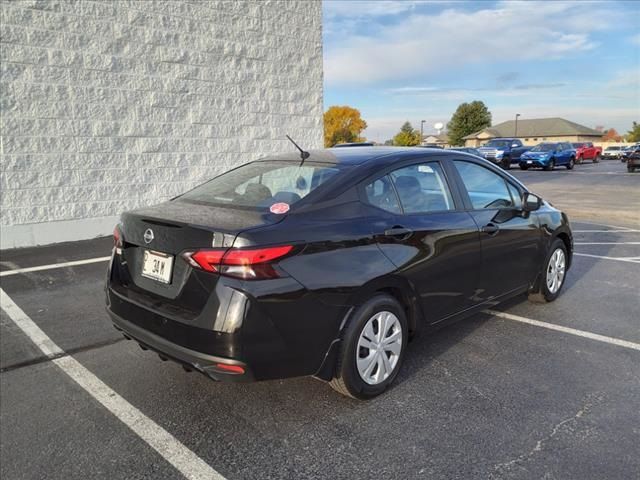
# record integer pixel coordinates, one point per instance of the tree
(611, 135)
(407, 136)
(342, 124)
(633, 135)
(468, 118)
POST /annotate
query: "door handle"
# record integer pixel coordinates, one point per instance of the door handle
(399, 233)
(491, 229)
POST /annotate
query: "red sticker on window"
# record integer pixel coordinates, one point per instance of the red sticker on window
(279, 208)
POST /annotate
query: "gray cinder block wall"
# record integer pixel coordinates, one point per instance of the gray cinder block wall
(110, 105)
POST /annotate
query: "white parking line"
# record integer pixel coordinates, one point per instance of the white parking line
(603, 225)
(169, 447)
(571, 331)
(606, 231)
(606, 243)
(604, 257)
(16, 271)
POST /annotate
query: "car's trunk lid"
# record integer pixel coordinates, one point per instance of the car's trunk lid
(170, 229)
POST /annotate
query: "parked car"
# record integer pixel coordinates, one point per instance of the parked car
(472, 151)
(431, 145)
(548, 156)
(326, 264)
(633, 159)
(612, 153)
(503, 151)
(587, 151)
(626, 151)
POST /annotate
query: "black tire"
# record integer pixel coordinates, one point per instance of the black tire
(551, 166)
(523, 167)
(544, 295)
(630, 169)
(506, 163)
(347, 379)
(579, 159)
(571, 164)
(597, 159)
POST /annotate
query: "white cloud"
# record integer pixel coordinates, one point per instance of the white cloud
(422, 43)
(635, 39)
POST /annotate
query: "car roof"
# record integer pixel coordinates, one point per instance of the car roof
(360, 155)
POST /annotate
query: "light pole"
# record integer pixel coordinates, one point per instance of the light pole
(422, 131)
(516, 132)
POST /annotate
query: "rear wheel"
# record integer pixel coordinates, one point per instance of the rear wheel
(630, 169)
(571, 164)
(523, 167)
(597, 159)
(552, 274)
(372, 348)
(579, 159)
(551, 165)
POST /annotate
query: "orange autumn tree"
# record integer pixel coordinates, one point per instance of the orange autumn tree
(611, 135)
(342, 124)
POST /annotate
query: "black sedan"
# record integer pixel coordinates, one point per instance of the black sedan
(326, 265)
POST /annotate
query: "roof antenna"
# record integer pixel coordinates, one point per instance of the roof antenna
(303, 154)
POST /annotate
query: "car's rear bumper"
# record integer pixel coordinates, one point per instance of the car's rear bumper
(216, 368)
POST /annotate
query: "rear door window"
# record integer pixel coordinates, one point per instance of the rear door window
(422, 188)
(380, 193)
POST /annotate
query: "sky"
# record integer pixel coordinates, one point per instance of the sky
(418, 60)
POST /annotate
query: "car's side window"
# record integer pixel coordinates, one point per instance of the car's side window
(560, 147)
(380, 193)
(422, 188)
(486, 189)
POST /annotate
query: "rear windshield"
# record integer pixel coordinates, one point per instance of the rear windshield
(259, 185)
(613, 148)
(578, 145)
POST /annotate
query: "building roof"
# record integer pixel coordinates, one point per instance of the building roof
(538, 127)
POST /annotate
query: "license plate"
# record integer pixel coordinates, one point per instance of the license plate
(157, 266)
(529, 161)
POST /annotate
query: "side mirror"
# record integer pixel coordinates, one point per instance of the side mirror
(515, 145)
(531, 202)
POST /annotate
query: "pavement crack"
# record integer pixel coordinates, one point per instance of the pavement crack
(503, 468)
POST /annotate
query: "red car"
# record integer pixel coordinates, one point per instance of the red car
(587, 151)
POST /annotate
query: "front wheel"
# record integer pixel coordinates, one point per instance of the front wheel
(551, 165)
(506, 163)
(523, 167)
(552, 274)
(580, 159)
(597, 159)
(571, 164)
(630, 169)
(372, 348)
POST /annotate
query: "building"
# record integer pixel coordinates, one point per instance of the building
(108, 106)
(440, 140)
(534, 131)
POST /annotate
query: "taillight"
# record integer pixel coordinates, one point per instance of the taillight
(249, 263)
(117, 239)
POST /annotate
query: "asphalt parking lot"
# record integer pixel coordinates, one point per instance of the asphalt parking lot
(497, 396)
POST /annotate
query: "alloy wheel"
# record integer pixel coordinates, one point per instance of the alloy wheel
(556, 270)
(379, 347)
